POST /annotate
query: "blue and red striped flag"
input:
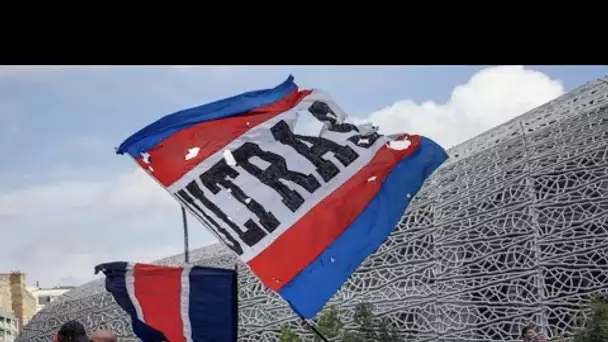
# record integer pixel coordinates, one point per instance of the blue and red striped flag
(303, 211)
(177, 304)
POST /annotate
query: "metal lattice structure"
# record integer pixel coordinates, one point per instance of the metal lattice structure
(512, 230)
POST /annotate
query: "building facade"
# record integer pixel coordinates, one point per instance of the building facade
(9, 326)
(17, 304)
(511, 230)
(45, 296)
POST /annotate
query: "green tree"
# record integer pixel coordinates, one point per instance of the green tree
(365, 320)
(387, 333)
(330, 323)
(288, 335)
(369, 327)
(595, 327)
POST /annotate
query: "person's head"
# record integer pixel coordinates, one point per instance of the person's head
(528, 332)
(103, 336)
(72, 331)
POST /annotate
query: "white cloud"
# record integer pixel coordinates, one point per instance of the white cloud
(491, 97)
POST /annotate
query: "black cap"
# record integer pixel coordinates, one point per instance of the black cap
(73, 331)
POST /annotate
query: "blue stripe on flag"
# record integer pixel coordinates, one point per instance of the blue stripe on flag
(314, 286)
(213, 298)
(154, 133)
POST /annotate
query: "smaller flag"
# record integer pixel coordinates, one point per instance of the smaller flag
(176, 304)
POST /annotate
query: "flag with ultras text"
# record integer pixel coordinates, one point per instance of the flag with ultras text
(302, 208)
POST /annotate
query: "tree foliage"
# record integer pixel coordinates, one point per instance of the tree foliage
(330, 323)
(288, 335)
(595, 327)
(368, 327)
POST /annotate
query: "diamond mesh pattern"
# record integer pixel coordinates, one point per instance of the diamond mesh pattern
(512, 230)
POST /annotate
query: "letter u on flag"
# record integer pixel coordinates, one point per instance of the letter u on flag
(303, 210)
(176, 304)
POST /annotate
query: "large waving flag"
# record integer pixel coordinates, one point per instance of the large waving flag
(303, 211)
(176, 304)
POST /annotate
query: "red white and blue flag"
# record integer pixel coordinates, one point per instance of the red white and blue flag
(176, 304)
(303, 211)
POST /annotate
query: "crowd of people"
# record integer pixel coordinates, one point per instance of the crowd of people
(73, 331)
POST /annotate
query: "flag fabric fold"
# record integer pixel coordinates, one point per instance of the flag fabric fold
(176, 304)
(302, 208)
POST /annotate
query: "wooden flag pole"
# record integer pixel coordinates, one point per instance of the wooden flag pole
(185, 224)
(184, 219)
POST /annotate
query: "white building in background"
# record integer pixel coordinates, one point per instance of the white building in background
(45, 296)
(8, 327)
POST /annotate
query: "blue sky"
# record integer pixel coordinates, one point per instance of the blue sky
(68, 201)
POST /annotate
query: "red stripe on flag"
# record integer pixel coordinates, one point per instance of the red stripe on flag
(167, 159)
(303, 242)
(158, 290)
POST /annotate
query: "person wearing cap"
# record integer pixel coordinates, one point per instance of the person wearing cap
(72, 331)
(103, 336)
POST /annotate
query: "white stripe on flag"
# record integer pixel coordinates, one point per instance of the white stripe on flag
(130, 284)
(185, 303)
